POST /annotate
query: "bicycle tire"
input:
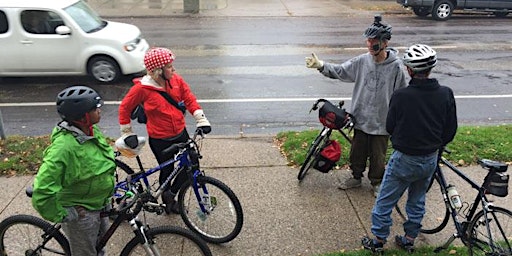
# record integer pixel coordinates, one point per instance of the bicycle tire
(23, 235)
(169, 240)
(312, 154)
(434, 220)
(223, 223)
(500, 226)
(123, 166)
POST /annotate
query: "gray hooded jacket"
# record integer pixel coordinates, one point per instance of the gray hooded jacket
(374, 85)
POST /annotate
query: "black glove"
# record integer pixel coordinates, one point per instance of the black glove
(203, 129)
(131, 141)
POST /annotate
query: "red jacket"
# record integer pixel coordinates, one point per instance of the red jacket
(163, 119)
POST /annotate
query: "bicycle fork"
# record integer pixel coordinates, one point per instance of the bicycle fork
(206, 202)
(147, 242)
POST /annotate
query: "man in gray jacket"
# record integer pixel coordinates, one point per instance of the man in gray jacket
(376, 74)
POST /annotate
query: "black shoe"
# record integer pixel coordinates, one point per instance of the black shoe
(171, 205)
(404, 243)
(372, 245)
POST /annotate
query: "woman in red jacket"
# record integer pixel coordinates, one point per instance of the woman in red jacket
(165, 123)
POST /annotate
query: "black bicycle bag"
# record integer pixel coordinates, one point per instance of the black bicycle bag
(497, 184)
(329, 155)
(332, 116)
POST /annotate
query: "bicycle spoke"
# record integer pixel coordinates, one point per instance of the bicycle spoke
(491, 234)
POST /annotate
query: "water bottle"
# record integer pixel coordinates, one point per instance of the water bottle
(454, 197)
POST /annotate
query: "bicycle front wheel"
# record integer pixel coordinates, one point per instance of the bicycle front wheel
(168, 240)
(436, 216)
(223, 219)
(491, 233)
(314, 150)
(30, 235)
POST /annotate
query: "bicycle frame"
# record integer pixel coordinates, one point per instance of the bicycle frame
(186, 157)
(480, 199)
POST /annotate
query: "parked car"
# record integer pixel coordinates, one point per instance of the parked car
(66, 37)
(443, 9)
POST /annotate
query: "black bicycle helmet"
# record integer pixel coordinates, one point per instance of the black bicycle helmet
(378, 30)
(74, 102)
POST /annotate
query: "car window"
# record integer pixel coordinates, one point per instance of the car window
(85, 17)
(40, 22)
(3, 23)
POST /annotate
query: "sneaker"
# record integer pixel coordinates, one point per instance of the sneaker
(171, 206)
(372, 245)
(376, 190)
(350, 183)
(404, 243)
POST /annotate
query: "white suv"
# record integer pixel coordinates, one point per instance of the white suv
(66, 37)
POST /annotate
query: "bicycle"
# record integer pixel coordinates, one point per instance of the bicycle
(338, 120)
(31, 235)
(206, 205)
(486, 232)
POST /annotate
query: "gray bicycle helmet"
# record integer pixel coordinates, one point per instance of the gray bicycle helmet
(420, 57)
(378, 30)
(74, 102)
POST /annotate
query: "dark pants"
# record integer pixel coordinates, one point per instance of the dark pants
(157, 146)
(368, 147)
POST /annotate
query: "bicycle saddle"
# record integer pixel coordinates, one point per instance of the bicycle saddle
(493, 165)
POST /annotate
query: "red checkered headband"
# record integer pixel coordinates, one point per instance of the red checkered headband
(157, 58)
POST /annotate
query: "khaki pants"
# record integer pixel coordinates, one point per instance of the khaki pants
(368, 148)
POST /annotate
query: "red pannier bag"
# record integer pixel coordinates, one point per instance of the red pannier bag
(328, 156)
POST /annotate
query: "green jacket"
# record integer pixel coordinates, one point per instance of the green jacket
(76, 170)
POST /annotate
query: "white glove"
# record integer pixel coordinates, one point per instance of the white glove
(130, 145)
(314, 62)
(202, 122)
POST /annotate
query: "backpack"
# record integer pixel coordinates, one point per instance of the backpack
(332, 116)
(329, 155)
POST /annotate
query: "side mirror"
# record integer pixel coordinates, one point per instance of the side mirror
(63, 30)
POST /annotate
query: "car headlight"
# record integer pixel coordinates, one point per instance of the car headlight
(132, 45)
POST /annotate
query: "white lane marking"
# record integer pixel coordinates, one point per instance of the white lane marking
(249, 100)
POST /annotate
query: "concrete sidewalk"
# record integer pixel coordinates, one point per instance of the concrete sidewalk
(224, 8)
(282, 216)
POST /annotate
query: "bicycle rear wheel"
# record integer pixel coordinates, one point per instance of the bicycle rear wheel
(169, 240)
(314, 150)
(224, 218)
(26, 234)
(494, 238)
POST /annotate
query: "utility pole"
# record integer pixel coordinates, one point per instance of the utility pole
(2, 133)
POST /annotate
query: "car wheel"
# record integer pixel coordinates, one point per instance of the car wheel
(443, 10)
(104, 69)
(500, 14)
(421, 11)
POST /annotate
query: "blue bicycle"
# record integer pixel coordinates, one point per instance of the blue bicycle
(207, 205)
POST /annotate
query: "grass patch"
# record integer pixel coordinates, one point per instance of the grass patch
(470, 144)
(21, 155)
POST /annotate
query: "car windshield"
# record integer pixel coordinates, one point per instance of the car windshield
(85, 17)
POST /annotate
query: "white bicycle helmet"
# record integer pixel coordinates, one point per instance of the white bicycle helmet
(420, 57)
(125, 150)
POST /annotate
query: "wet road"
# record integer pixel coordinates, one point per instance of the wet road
(249, 73)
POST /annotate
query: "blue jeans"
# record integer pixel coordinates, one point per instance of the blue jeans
(403, 172)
